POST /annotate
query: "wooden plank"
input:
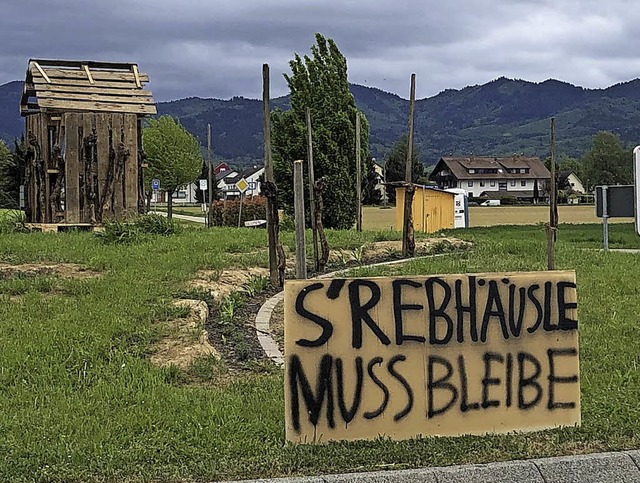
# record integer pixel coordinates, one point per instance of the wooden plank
(72, 182)
(85, 67)
(42, 72)
(69, 96)
(97, 106)
(118, 192)
(46, 160)
(131, 166)
(44, 88)
(39, 81)
(98, 75)
(136, 75)
(103, 126)
(97, 64)
(89, 123)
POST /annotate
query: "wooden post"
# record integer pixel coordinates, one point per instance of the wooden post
(553, 213)
(312, 183)
(358, 176)
(210, 172)
(268, 174)
(298, 204)
(408, 242)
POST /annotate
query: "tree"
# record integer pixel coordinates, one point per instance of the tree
(370, 195)
(607, 162)
(204, 174)
(12, 173)
(173, 155)
(320, 83)
(396, 163)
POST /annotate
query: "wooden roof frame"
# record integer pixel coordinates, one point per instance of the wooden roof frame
(85, 86)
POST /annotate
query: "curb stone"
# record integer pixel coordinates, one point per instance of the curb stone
(617, 467)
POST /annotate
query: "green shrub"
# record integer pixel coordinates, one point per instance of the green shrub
(119, 232)
(155, 224)
(225, 213)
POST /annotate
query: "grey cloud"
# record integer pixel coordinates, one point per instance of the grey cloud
(216, 48)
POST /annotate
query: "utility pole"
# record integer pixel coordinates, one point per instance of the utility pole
(312, 197)
(553, 208)
(408, 241)
(209, 214)
(274, 275)
(358, 176)
(298, 204)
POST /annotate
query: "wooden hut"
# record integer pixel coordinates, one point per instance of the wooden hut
(84, 140)
(433, 208)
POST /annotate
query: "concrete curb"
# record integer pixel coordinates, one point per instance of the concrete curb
(263, 318)
(620, 467)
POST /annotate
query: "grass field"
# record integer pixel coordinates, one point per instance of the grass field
(378, 218)
(82, 402)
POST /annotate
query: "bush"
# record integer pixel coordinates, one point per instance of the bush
(225, 213)
(508, 200)
(155, 224)
(12, 221)
(134, 230)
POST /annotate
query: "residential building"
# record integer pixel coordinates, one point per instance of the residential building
(570, 181)
(494, 177)
(227, 184)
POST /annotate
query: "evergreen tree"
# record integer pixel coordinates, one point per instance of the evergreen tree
(10, 177)
(173, 154)
(396, 162)
(320, 83)
(370, 195)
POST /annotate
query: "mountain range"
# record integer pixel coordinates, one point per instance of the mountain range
(501, 117)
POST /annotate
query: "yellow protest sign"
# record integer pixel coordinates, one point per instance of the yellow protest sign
(431, 355)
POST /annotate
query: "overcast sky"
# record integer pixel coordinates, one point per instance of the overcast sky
(216, 48)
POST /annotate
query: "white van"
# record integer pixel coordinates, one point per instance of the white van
(490, 203)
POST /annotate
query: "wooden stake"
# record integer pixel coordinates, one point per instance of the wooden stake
(298, 204)
(408, 242)
(358, 177)
(268, 174)
(210, 172)
(312, 183)
(553, 210)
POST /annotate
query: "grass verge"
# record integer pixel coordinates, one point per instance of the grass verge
(81, 402)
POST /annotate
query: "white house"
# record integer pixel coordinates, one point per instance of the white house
(227, 183)
(571, 180)
(493, 177)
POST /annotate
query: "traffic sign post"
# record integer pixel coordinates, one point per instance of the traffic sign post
(241, 186)
(155, 186)
(203, 188)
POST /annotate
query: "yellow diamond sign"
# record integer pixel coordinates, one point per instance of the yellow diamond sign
(242, 185)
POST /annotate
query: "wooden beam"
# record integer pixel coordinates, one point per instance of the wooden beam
(124, 91)
(97, 106)
(136, 74)
(85, 67)
(103, 75)
(42, 72)
(68, 96)
(39, 81)
(71, 158)
(131, 164)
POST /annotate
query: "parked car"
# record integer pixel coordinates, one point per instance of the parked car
(490, 203)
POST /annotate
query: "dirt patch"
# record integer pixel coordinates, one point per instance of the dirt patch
(33, 270)
(186, 339)
(222, 282)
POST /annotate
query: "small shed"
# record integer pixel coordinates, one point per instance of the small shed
(83, 123)
(433, 208)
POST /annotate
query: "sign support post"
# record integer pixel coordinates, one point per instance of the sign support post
(605, 220)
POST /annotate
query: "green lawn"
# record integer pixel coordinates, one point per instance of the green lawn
(81, 402)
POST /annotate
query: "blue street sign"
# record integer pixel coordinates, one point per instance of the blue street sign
(155, 184)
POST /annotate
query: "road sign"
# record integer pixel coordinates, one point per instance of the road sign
(253, 185)
(636, 183)
(619, 201)
(203, 184)
(155, 184)
(242, 185)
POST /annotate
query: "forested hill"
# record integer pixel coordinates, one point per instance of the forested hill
(504, 116)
